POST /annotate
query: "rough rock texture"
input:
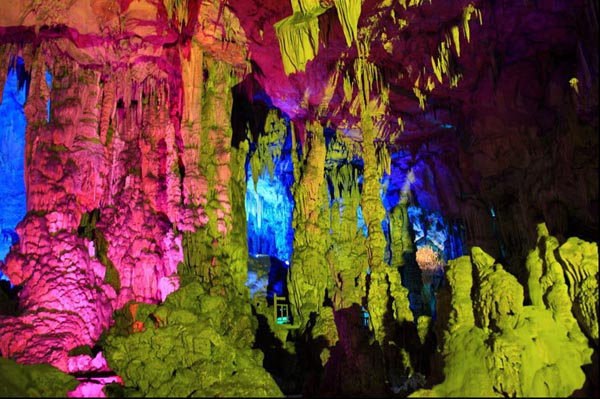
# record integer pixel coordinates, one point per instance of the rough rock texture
(566, 283)
(482, 111)
(109, 173)
(493, 343)
(33, 381)
(513, 130)
(153, 349)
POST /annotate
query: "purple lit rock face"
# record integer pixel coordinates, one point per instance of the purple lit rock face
(63, 276)
(131, 133)
(93, 388)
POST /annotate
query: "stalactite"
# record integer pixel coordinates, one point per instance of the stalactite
(348, 13)
(298, 37)
(268, 146)
(8, 53)
(443, 61)
(331, 87)
(468, 13)
(178, 10)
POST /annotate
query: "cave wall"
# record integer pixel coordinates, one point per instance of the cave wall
(122, 176)
(529, 143)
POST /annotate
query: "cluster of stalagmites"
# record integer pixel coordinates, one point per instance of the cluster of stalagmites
(495, 336)
(494, 342)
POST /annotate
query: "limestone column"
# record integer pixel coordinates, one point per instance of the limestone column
(308, 273)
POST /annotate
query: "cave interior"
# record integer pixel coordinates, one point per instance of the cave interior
(355, 198)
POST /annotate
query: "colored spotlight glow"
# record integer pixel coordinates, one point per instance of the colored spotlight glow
(12, 146)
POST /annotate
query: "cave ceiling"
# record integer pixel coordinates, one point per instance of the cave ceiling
(482, 84)
(486, 44)
(437, 64)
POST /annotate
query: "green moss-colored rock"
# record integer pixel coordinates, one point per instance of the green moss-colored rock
(194, 344)
(460, 278)
(298, 37)
(580, 262)
(307, 276)
(465, 368)
(556, 282)
(349, 12)
(400, 240)
(493, 310)
(33, 380)
(493, 345)
(238, 248)
(347, 256)
(81, 350)
(548, 360)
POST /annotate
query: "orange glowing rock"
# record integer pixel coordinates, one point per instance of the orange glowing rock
(133, 309)
(138, 326)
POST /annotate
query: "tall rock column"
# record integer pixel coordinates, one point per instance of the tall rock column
(384, 281)
(384, 287)
(206, 133)
(65, 299)
(308, 273)
(346, 258)
(230, 263)
(374, 213)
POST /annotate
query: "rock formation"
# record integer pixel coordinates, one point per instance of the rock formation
(423, 176)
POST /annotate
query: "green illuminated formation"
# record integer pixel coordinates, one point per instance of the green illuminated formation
(580, 262)
(385, 283)
(494, 345)
(298, 34)
(298, 37)
(307, 278)
(399, 240)
(268, 146)
(195, 343)
(346, 259)
(348, 12)
(238, 248)
(33, 380)
(567, 283)
(136, 180)
(215, 252)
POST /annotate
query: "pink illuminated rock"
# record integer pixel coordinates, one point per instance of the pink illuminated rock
(92, 388)
(111, 154)
(167, 285)
(86, 363)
